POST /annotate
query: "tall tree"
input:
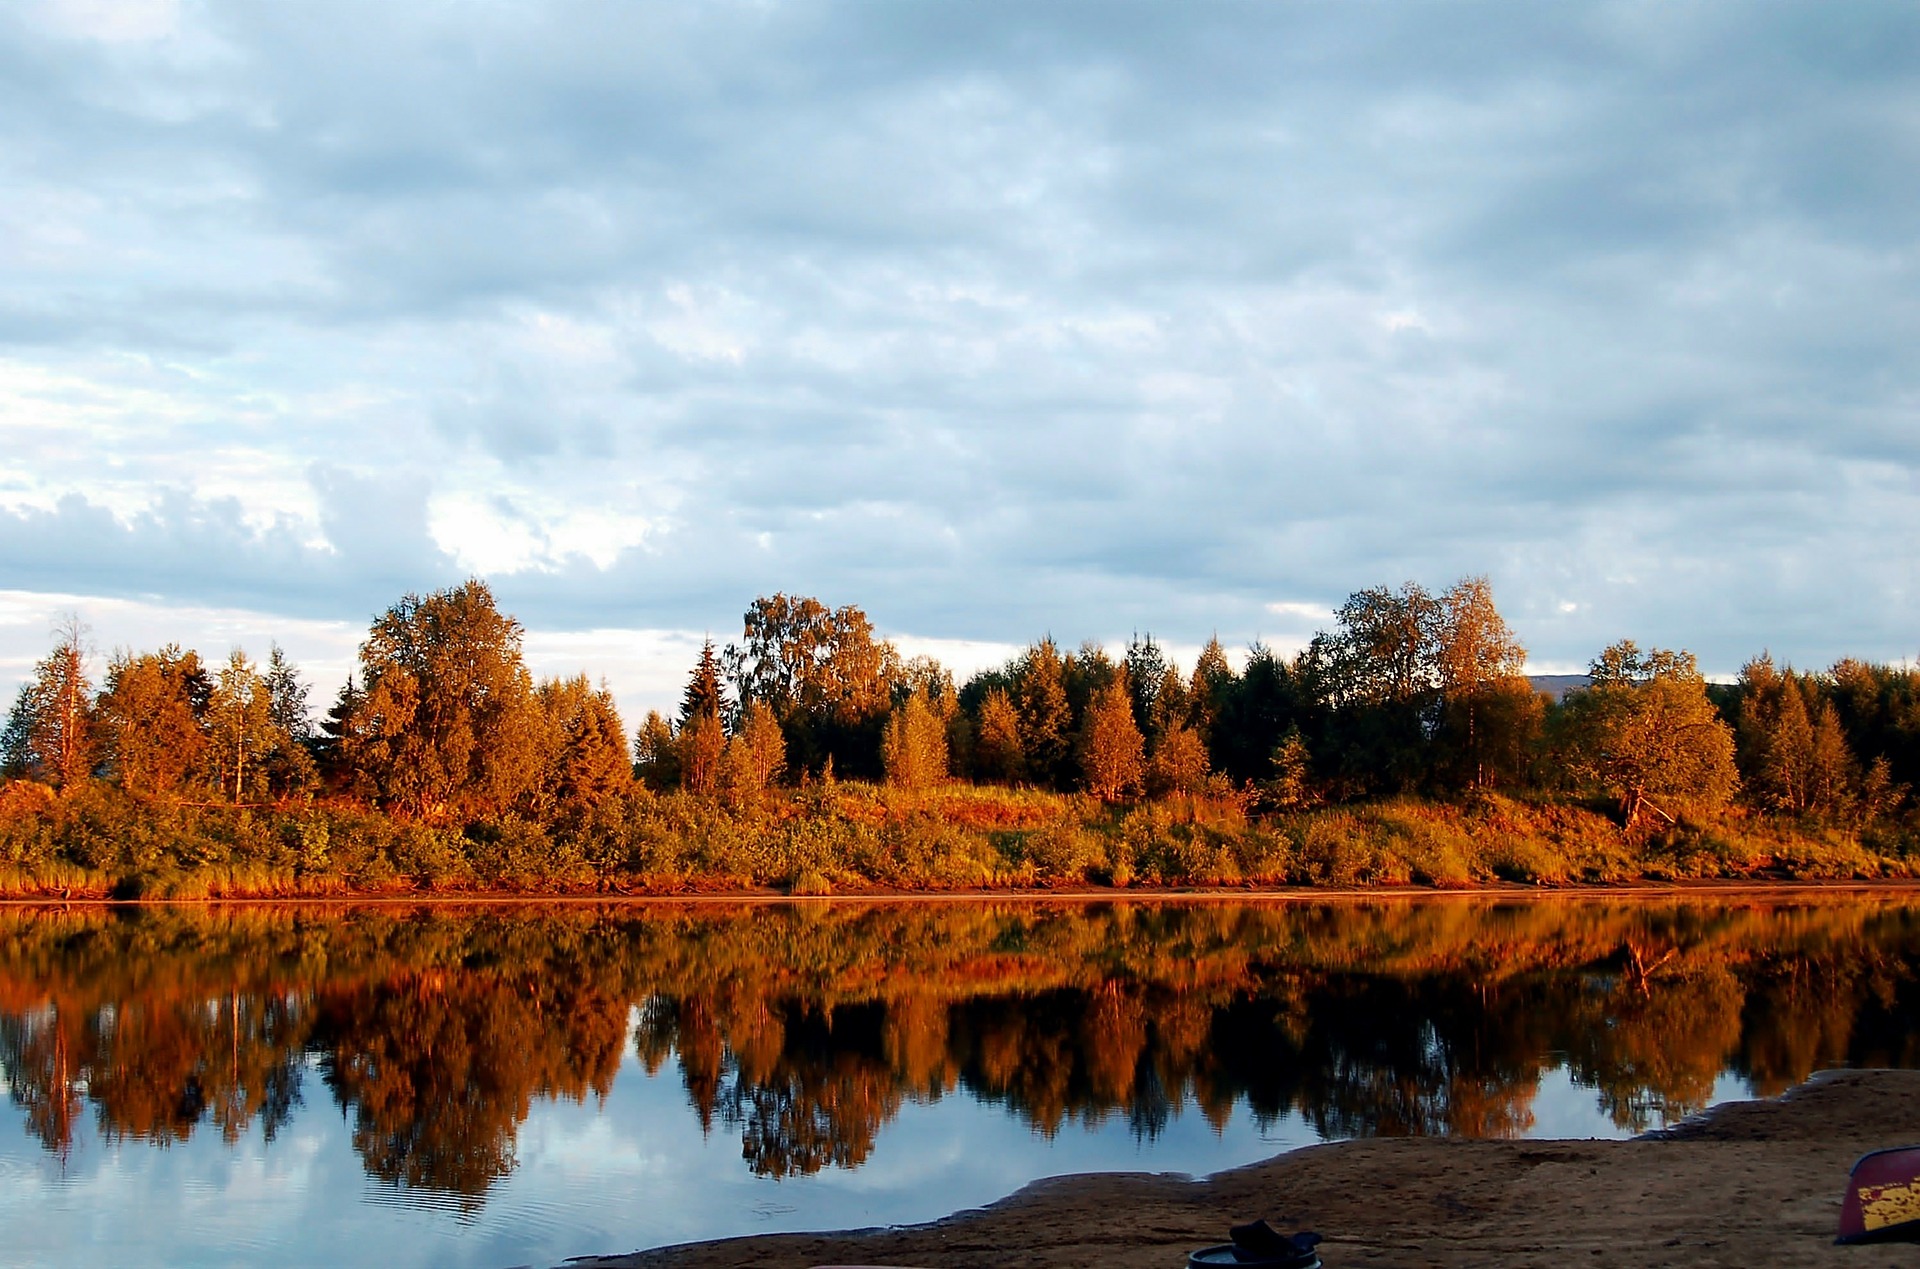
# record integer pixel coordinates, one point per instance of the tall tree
(704, 697)
(1481, 669)
(1112, 754)
(1381, 674)
(446, 722)
(1147, 668)
(823, 673)
(241, 732)
(585, 743)
(755, 756)
(290, 766)
(656, 761)
(1252, 711)
(1046, 720)
(153, 727)
(1792, 752)
(701, 740)
(916, 744)
(1388, 645)
(997, 752)
(52, 740)
(1213, 678)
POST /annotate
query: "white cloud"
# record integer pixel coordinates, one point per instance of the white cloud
(994, 328)
(112, 21)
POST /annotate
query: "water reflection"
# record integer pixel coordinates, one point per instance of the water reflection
(804, 1030)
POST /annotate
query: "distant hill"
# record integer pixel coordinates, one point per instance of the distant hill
(1558, 685)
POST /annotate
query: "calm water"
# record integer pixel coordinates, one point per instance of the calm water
(509, 1085)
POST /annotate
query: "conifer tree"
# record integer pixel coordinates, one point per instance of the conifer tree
(704, 697)
(585, 744)
(291, 768)
(1146, 672)
(1213, 678)
(702, 739)
(1172, 706)
(53, 738)
(1046, 721)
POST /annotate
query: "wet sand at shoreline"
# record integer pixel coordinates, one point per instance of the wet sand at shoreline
(1751, 1183)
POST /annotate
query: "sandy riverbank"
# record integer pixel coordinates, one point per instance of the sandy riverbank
(1755, 1183)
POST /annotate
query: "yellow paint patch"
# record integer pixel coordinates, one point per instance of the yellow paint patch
(1884, 1205)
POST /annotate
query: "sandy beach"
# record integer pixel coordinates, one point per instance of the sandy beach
(1751, 1183)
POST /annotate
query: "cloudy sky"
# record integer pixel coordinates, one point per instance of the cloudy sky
(994, 319)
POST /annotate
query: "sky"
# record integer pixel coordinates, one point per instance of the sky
(995, 320)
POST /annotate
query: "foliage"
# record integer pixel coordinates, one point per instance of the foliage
(1401, 747)
(446, 724)
(1112, 754)
(50, 731)
(915, 748)
(1646, 733)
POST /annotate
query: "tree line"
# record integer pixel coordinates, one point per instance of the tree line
(1411, 693)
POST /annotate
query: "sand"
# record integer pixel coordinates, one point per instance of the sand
(1752, 1183)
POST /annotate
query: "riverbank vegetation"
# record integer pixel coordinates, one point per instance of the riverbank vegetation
(1405, 746)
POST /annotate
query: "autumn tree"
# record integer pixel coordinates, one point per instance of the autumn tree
(1172, 705)
(241, 732)
(1112, 754)
(1647, 734)
(446, 722)
(755, 755)
(152, 720)
(997, 751)
(291, 765)
(1792, 752)
(1387, 645)
(1290, 784)
(823, 673)
(1481, 672)
(656, 759)
(1046, 721)
(1179, 762)
(584, 744)
(50, 734)
(915, 748)
(701, 739)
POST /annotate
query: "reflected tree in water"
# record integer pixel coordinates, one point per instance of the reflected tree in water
(806, 1030)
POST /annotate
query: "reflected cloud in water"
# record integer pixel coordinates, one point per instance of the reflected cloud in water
(490, 1085)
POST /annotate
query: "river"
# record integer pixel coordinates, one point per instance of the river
(504, 1084)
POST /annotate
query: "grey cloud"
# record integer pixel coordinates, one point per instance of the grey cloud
(1065, 316)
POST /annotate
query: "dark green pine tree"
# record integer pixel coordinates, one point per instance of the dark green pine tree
(704, 698)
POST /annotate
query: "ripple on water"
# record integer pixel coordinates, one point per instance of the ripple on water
(437, 1202)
